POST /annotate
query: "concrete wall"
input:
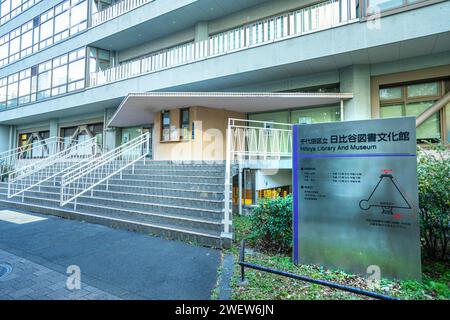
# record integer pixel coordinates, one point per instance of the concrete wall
(172, 40)
(210, 135)
(356, 79)
(4, 138)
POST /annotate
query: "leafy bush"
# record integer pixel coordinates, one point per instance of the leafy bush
(434, 199)
(271, 224)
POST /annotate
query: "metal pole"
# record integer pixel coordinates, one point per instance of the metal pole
(240, 185)
(227, 213)
(242, 259)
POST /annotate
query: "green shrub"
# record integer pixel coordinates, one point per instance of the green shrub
(434, 199)
(271, 224)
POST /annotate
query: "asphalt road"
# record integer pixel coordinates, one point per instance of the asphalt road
(124, 264)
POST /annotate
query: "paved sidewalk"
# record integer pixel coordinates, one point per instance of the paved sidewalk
(29, 281)
(114, 264)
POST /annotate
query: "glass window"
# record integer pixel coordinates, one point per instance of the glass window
(430, 129)
(27, 40)
(46, 30)
(3, 94)
(417, 108)
(42, 30)
(45, 66)
(391, 93)
(59, 76)
(316, 115)
(423, 90)
(14, 46)
(374, 6)
(78, 14)
(76, 70)
(5, 8)
(24, 87)
(184, 113)
(62, 22)
(418, 98)
(15, 4)
(44, 80)
(165, 125)
(281, 117)
(4, 51)
(391, 111)
(12, 93)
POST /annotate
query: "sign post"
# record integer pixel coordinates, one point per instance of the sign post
(356, 196)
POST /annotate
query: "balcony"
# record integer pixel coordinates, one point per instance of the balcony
(116, 10)
(322, 16)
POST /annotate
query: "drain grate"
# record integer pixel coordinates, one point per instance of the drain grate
(5, 269)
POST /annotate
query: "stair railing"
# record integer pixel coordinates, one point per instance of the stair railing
(35, 174)
(251, 140)
(35, 151)
(86, 177)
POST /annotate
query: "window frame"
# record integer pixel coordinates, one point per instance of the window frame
(185, 124)
(35, 74)
(35, 27)
(163, 126)
(404, 101)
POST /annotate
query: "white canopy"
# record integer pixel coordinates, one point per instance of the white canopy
(139, 108)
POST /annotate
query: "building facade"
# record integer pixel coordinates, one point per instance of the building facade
(67, 66)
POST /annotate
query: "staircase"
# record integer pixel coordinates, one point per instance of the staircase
(168, 199)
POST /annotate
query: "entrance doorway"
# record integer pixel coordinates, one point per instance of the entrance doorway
(32, 145)
(79, 134)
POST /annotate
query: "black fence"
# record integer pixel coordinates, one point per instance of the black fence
(330, 284)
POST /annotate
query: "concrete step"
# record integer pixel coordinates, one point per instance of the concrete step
(100, 203)
(138, 183)
(92, 206)
(162, 176)
(202, 237)
(131, 199)
(184, 201)
(175, 172)
(139, 190)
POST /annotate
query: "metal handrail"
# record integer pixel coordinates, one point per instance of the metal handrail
(33, 175)
(9, 159)
(259, 139)
(314, 18)
(253, 139)
(86, 177)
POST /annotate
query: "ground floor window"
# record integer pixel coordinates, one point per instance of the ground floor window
(78, 134)
(184, 124)
(412, 100)
(31, 144)
(304, 116)
(165, 126)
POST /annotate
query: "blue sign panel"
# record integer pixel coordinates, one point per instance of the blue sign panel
(355, 196)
